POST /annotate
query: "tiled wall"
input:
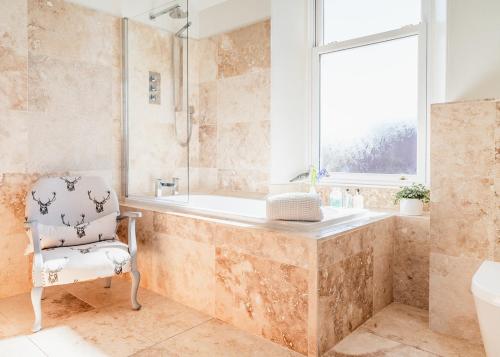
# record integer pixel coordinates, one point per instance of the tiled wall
(411, 261)
(464, 209)
(154, 151)
(231, 92)
(54, 58)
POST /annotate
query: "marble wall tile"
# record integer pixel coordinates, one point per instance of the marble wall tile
(262, 296)
(15, 266)
(13, 55)
(355, 279)
(185, 271)
(463, 210)
(208, 146)
(69, 87)
(383, 263)
(63, 30)
(245, 146)
(244, 50)
(281, 247)
(208, 103)
(85, 147)
(345, 297)
(497, 184)
(411, 261)
(207, 50)
(244, 98)
(254, 181)
(13, 141)
(451, 305)
(184, 227)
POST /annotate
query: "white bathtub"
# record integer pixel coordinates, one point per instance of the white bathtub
(245, 210)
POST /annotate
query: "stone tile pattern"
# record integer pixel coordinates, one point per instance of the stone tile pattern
(402, 330)
(464, 209)
(154, 151)
(230, 90)
(254, 279)
(354, 280)
(273, 284)
(54, 57)
(85, 319)
(411, 261)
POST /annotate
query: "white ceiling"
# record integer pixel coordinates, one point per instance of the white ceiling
(208, 17)
(131, 8)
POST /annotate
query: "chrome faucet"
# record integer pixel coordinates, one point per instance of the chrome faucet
(160, 184)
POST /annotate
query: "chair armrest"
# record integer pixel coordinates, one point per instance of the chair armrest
(132, 241)
(37, 253)
(125, 215)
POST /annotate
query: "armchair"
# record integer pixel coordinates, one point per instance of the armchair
(72, 225)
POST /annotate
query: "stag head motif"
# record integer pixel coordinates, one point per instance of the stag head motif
(99, 205)
(70, 185)
(44, 205)
(53, 278)
(79, 226)
(119, 264)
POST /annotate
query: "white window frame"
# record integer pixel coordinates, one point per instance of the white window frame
(422, 110)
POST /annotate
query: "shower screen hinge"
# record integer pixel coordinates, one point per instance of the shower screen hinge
(154, 88)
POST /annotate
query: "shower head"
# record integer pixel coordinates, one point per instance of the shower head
(178, 13)
(175, 12)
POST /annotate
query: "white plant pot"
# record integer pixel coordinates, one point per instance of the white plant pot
(411, 207)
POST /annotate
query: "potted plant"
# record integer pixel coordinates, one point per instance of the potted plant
(411, 199)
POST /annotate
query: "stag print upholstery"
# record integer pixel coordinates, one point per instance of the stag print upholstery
(84, 262)
(57, 236)
(80, 210)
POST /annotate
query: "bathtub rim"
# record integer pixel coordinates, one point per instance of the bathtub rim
(371, 216)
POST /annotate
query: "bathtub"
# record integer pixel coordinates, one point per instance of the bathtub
(244, 210)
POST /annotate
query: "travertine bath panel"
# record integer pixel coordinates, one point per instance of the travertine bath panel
(299, 291)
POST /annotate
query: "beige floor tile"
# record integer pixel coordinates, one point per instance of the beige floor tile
(65, 341)
(58, 306)
(216, 338)
(364, 343)
(94, 293)
(19, 346)
(409, 325)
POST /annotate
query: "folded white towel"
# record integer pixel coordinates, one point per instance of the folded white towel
(296, 206)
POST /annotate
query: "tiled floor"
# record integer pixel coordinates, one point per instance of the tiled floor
(88, 320)
(401, 330)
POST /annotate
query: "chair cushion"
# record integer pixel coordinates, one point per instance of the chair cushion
(71, 205)
(65, 265)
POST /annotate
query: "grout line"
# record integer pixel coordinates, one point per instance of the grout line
(177, 334)
(41, 350)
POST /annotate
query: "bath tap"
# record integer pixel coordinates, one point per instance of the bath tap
(160, 184)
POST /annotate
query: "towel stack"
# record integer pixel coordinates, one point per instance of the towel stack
(297, 206)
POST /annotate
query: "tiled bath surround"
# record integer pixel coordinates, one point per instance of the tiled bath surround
(465, 176)
(60, 109)
(301, 292)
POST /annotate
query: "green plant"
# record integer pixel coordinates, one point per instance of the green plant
(415, 191)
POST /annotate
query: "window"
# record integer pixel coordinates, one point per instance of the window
(370, 90)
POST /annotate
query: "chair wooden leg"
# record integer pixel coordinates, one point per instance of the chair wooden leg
(136, 278)
(44, 293)
(36, 300)
(107, 282)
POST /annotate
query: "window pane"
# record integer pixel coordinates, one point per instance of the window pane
(347, 19)
(369, 108)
